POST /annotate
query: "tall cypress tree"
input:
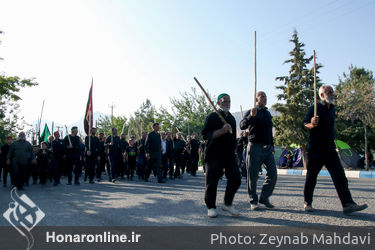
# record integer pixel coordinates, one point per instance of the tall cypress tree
(297, 95)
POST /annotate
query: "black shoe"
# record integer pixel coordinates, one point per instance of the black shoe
(69, 183)
(146, 180)
(55, 184)
(267, 203)
(350, 208)
(77, 183)
(171, 177)
(91, 182)
(161, 181)
(4, 185)
(113, 180)
(20, 188)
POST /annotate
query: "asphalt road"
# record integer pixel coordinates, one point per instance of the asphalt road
(180, 203)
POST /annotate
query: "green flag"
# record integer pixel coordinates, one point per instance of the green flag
(45, 134)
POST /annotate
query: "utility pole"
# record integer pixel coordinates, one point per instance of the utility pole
(112, 107)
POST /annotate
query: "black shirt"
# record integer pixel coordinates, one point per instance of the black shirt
(114, 149)
(321, 137)
(141, 146)
(220, 148)
(94, 145)
(58, 148)
(179, 146)
(132, 154)
(76, 150)
(194, 147)
(153, 143)
(260, 126)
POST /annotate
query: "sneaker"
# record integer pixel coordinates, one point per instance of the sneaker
(231, 210)
(113, 180)
(308, 208)
(350, 208)
(266, 203)
(212, 213)
(254, 207)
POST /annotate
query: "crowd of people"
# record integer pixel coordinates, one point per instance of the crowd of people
(166, 156)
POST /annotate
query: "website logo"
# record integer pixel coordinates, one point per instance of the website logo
(24, 215)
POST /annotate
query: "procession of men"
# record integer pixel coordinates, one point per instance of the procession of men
(166, 156)
(89, 158)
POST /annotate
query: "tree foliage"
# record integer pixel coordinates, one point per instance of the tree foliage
(356, 105)
(296, 96)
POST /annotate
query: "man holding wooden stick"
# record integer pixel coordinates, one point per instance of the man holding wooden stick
(260, 150)
(321, 151)
(220, 132)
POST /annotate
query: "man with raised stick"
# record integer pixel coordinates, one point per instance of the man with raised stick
(260, 151)
(321, 150)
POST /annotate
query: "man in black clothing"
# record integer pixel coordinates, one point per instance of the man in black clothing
(322, 152)
(5, 167)
(220, 156)
(194, 154)
(92, 154)
(73, 156)
(20, 156)
(43, 159)
(260, 150)
(114, 153)
(58, 149)
(179, 149)
(103, 162)
(169, 156)
(124, 163)
(141, 159)
(153, 153)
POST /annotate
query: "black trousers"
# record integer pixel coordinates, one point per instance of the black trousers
(57, 166)
(154, 163)
(180, 166)
(329, 159)
(214, 171)
(194, 160)
(73, 164)
(90, 166)
(7, 170)
(101, 167)
(19, 172)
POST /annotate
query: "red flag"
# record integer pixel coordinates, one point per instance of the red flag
(88, 121)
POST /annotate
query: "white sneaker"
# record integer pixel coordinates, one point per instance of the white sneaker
(254, 207)
(231, 210)
(212, 213)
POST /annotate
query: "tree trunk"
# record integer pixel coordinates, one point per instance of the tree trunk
(366, 150)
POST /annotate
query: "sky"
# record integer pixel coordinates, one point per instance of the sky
(139, 49)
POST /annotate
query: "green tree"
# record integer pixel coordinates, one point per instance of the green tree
(297, 95)
(105, 124)
(191, 110)
(10, 86)
(355, 95)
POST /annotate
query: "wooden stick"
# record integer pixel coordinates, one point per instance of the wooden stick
(315, 97)
(255, 68)
(210, 102)
(241, 111)
(67, 134)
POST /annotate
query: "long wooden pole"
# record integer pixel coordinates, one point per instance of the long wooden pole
(255, 68)
(315, 97)
(241, 111)
(210, 102)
